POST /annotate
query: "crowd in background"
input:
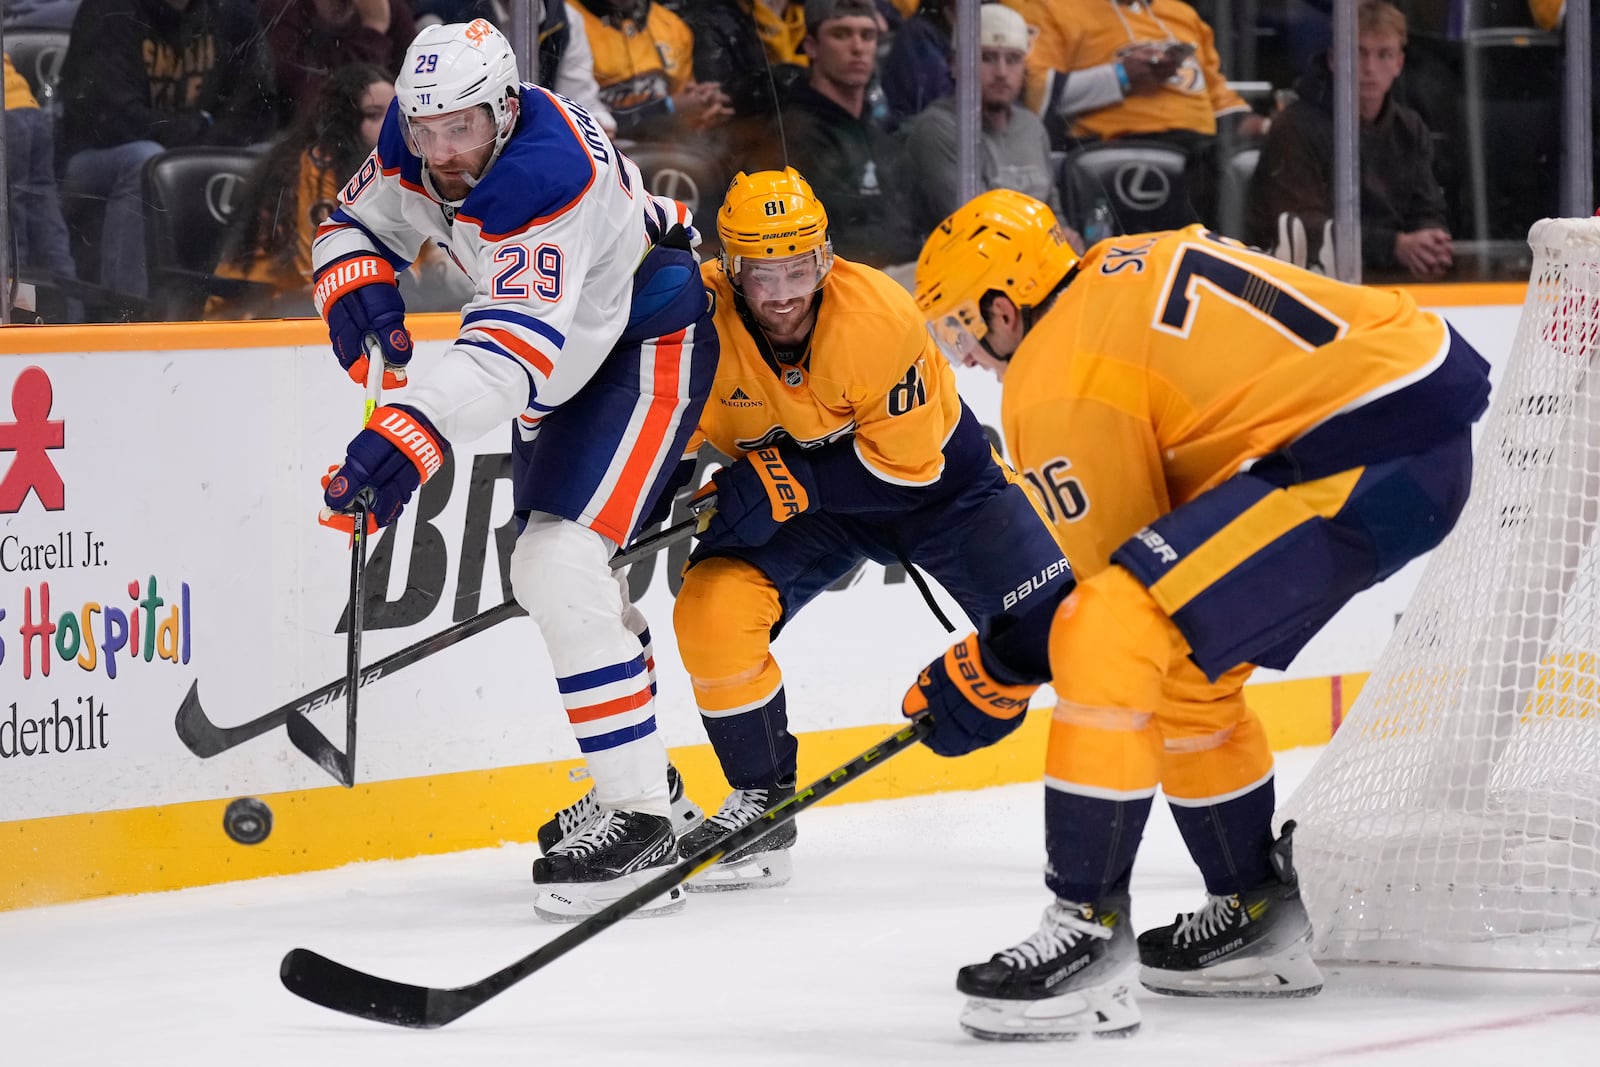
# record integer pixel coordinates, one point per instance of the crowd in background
(1123, 115)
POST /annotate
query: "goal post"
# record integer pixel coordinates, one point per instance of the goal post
(1454, 819)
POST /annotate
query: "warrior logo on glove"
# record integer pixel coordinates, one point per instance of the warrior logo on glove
(357, 297)
(397, 452)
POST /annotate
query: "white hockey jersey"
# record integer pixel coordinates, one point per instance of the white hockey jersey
(550, 237)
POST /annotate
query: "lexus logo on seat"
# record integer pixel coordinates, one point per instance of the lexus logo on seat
(222, 193)
(1142, 186)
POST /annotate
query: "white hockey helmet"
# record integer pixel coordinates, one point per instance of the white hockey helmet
(456, 66)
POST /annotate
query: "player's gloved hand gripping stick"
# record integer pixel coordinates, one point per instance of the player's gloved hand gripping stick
(206, 739)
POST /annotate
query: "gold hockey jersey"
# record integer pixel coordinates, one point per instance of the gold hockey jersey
(1089, 33)
(637, 64)
(1172, 361)
(871, 371)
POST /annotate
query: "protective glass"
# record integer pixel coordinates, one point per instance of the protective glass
(448, 136)
(959, 334)
(762, 280)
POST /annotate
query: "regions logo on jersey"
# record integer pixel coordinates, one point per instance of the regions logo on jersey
(739, 399)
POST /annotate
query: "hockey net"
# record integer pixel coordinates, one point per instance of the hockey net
(1454, 819)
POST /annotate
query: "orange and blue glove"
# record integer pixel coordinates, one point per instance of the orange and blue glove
(357, 296)
(757, 495)
(397, 452)
(970, 707)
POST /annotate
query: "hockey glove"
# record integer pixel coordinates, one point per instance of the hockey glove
(758, 494)
(357, 296)
(397, 452)
(971, 709)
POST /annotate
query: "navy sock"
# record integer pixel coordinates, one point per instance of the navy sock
(1230, 842)
(755, 747)
(1090, 843)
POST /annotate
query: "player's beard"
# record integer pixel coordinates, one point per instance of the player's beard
(789, 327)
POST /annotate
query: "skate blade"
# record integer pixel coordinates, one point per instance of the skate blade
(762, 870)
(1296, 976)
(574, 902)
(1101, 1011)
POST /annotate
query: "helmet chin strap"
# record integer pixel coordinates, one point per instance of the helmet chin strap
(983, 342)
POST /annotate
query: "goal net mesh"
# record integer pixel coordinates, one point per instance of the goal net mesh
(1454, 819)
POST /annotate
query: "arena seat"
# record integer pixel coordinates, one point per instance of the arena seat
(1144, 183)
(190, 195)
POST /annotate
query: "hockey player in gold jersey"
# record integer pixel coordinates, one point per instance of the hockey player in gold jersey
(851, 443)
(1230, 448)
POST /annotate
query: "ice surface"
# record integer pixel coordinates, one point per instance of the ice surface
(852, 963)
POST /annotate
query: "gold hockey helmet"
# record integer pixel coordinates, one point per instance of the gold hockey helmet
(999, 240)
(774, 215)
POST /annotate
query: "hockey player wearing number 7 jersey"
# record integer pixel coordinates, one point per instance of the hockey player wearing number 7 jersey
(589, 338)
(1232, 448)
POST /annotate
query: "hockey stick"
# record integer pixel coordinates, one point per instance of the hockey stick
(323, 981)
(306, 737)
(206, 739)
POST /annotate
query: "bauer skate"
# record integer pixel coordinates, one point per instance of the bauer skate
(1074, 976)
(1252, 944)
(686, 814)
(760, 865)
(608, 857)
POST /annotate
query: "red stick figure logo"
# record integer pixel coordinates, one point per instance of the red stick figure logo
(30, 437)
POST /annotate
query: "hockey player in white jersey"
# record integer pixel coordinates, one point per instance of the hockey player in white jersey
(591, 331)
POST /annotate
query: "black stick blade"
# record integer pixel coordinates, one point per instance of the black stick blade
(308, 739)
(195, 730)
(333, 985)
(316, 978)
(205, 738)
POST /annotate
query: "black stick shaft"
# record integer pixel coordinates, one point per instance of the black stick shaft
(352, 658)
(206, 739)
(320, 980)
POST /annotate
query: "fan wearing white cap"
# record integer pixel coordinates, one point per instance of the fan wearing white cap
(589, 331)
(1015, 149)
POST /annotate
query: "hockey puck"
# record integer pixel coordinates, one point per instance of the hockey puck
(247, 820)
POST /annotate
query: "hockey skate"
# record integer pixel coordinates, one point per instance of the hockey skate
(1251, 944)
(608, 857)
(1074, 976)
(686, 814)
(762, 864)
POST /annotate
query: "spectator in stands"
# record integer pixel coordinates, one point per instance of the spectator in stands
(1014, 151)
(752, 48)
(294, 188)
(1402, 206)
(1129, 68)
(644, 65)
(855, 166)
(566, 63)
(917, 71)
(33, 209)
(310, 39)
(1102, 69)
(141, 76)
